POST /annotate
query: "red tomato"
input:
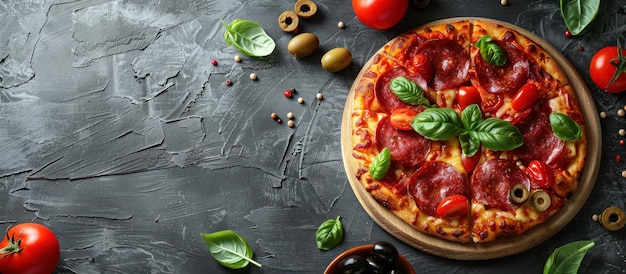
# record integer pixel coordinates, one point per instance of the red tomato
(380, 14)
(423, 66)
(540, 174)
(525, 96)
(453, 206)
(468, 95)
(29, 248)
(470, 163)
(604, 64)
(401, 118)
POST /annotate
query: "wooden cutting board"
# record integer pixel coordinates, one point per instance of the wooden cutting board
(501, 248)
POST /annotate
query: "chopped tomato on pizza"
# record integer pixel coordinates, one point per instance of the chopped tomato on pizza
(468, 131)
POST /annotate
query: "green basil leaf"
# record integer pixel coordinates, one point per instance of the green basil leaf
(380, 164)
(408, 91)
(469, 143)
(229, 249)
(498, 135)
(564, 127)
(471, 116)
(248, 37)
(567, 258)
(579, 14)
(439, 124)
(490, 51)
(329, 234)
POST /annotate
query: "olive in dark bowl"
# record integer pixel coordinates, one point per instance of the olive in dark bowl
(381, 257)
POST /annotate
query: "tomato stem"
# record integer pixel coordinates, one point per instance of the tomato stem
(12, 247)
(619, 63)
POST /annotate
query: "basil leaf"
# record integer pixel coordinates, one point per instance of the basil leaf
(469, 143)
(579, 14)
(248, 37)
(438, 124)
(564, 127)
(498, 135)
(380, 164)
(329, 234)
(471, 116)
(490, 51)
(567, 258)
(229, 249)
(408, 91)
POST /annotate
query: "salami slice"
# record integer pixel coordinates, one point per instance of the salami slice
(450, 61)
(540, 143)
(433, 182)
(406, 147)
(387, 99)
(505, 79)
(492, 181)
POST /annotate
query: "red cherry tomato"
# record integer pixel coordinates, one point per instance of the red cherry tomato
(470, 163)
(604, 64)
(453, 206)
(525, 97)
(540, 174)
(29, 248)
(380, 14)
(491, 102)
(423, 66)
(468, 95)
(401, 118)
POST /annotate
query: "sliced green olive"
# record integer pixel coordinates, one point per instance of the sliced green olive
(336, 59)
(303, 44)
(420, 3)
(288, 21)
(518, 194)
(613, 218)
(306, 9)
(540, 200)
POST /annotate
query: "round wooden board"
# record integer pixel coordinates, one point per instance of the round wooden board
(500, 248)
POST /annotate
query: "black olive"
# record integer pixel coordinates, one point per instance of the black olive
(385, 253)
(353, 264)
(395, 271)
(374, 266)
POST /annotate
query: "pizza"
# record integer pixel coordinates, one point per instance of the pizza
(467, 130)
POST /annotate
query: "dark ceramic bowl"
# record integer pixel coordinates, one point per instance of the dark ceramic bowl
(364, 251)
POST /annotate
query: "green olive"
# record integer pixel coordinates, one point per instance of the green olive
(303, 44)
(306, 9)
(613, 218)
(540, 200)
(336, 59)
(518, 194)
(288, 21)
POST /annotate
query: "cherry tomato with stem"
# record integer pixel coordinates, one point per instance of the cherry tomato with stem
(453, 206)
(468, 95)
(401, 118)
(525, 96)
(380, 14)
(608, 68)
(540, 173)
(29, 248)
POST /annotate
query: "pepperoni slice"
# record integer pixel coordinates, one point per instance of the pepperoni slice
(450, 60)
(433, 182)
(406, 147)
(505, 79)
(387, 99)
(492, 181)
(540, 143)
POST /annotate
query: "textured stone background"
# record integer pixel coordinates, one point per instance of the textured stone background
(118, 133)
